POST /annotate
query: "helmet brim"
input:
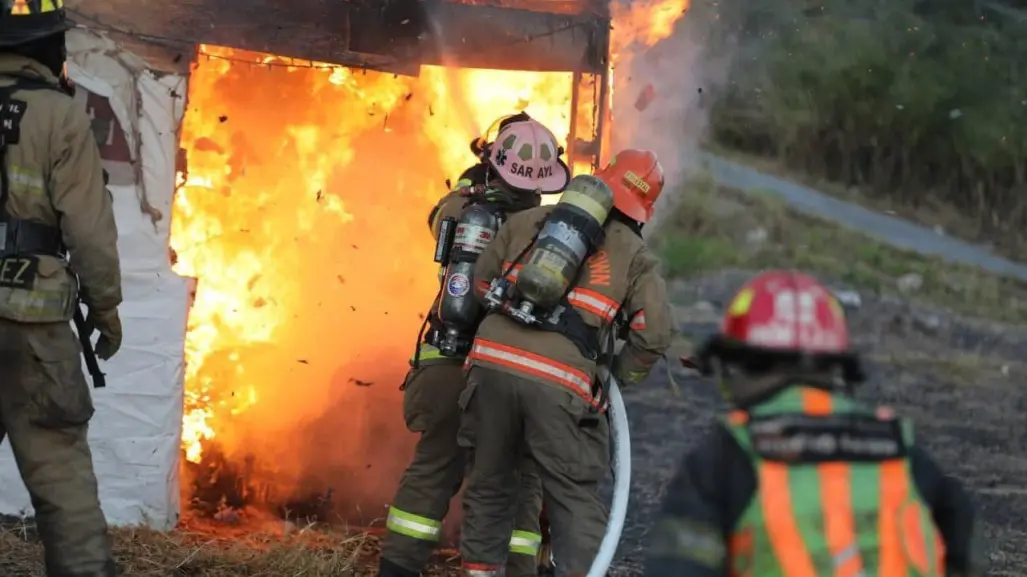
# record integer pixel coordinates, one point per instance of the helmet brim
(566, 180)
(554, 184)
(48, 24)
(732, 351)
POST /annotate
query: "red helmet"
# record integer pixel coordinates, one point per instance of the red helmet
(636, 178)
(787, 311)
(785, 314)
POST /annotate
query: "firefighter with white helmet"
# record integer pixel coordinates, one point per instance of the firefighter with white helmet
(53, 205)
(486, 194)
(800, 479)
(532, 385)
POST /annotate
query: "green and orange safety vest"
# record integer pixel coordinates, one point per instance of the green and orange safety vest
(831, 518)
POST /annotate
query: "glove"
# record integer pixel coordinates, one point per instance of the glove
(109, 325)
(627, 378)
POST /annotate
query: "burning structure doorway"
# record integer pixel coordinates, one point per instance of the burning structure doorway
(300, 205)
(301, 211)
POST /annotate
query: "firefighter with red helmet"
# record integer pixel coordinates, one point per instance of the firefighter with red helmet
(436, 379)
(800, 479)
(533, 388)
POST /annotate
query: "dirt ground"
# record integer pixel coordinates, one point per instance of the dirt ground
(961, 380)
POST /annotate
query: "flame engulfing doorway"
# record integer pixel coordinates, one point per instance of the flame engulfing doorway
(303, 215)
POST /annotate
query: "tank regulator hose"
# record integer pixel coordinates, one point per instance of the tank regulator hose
(621, 466)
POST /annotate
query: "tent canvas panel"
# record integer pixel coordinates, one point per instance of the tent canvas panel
(135, 433)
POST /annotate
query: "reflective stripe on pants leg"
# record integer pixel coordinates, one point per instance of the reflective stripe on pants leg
(413, 525)
(481, 569)
(525, 543)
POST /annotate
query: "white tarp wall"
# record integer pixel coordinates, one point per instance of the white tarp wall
(136, 430)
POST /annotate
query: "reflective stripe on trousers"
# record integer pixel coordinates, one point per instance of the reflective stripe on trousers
(412, 525)
(481, 569)
(425, 529)
(525, 543)
(535, 365)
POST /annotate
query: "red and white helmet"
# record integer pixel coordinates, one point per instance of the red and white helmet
(526, 157)
(787, 311)
(785, 316)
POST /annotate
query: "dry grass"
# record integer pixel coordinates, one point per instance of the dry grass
(209, 550)
(714, 228)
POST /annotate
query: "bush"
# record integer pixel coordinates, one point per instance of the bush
(914, 99)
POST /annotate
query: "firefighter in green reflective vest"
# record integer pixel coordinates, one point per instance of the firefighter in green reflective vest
(434, 383)
(801, 480)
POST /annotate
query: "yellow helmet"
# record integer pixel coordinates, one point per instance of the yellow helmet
(23, 21)
(478, 144)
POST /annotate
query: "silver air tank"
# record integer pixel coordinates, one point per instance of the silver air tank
(567, 238)
(459, 309)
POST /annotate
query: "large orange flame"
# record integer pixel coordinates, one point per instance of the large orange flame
(303, 215)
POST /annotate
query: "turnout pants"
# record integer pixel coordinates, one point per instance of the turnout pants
(45, 406)
(430, 407)
(569, 445)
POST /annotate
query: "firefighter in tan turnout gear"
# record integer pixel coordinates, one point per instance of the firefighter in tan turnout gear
(484, 194)
(562, 283)
(53, 204)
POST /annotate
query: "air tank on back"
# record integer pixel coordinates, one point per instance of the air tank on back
(459, 309)
(570, 233)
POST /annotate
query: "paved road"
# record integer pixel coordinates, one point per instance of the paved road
(894, 231)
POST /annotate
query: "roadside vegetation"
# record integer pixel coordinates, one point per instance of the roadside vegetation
(713, 228)
(919, 104)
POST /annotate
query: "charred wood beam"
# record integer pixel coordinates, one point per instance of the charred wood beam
(514, 39)
(391, 35)
(305, 29)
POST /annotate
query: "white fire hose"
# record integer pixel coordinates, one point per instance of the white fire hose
(621, 462)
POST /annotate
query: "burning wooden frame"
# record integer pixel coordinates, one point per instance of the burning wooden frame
(388, 35)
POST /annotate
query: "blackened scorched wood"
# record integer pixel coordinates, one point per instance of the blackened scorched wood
(373, 34)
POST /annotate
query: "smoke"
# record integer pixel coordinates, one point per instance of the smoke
(662, 96)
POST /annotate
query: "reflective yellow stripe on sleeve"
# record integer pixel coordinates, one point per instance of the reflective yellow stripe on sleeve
(525, 543)
(412, 525)
(428, 352)
(26, 180)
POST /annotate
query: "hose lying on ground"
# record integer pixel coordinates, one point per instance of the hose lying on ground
(621, 463)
